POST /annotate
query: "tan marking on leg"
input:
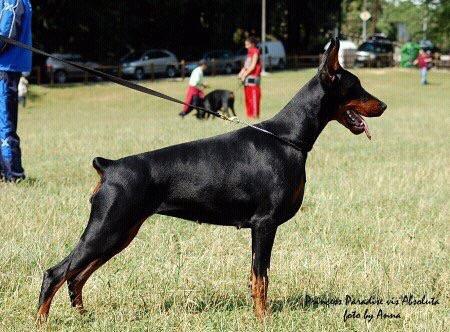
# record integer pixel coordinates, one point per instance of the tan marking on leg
(82, 277)
(44, 309)
(260, 285)
(80, 281)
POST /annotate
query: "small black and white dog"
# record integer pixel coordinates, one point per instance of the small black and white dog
(218, 101)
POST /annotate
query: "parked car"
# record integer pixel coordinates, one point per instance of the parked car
(63, 72)
(428, 46)
(219, 61)
(274, 55)
(381, 37)
(375, 52)
(347, 53)
(141, 64)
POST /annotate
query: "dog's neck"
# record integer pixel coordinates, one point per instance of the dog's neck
(302, 120)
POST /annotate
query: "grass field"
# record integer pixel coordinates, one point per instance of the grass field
(374, 219)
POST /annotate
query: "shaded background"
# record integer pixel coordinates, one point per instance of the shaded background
(105, 29)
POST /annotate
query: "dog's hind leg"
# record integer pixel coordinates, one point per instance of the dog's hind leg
(262, 242)
(76, 283)
(224, 108)
(53, 279)
(113, 224)
(231, 104)
(207, 105)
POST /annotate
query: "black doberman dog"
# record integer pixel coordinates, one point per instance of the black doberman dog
(243, 178)
(218, 101)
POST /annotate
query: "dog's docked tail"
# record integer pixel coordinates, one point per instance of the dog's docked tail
(101, 164)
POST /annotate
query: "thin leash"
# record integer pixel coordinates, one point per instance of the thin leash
(148, 91)
(240, 85)
(238, 94)
(235, 91)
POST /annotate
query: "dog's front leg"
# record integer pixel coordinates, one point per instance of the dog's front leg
(262, 242)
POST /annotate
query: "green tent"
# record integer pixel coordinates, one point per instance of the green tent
(409, 53)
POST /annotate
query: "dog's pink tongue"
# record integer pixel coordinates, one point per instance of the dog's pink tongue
(366, 129)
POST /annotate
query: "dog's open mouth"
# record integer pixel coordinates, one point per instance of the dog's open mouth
(356, 123)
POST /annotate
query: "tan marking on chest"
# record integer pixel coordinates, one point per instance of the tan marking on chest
(96, 188)
(299, 191)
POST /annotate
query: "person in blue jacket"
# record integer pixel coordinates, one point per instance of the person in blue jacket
(15, 23)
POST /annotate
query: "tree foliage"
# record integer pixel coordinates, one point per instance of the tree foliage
(387, 13)
(352, 25)
(102, 28)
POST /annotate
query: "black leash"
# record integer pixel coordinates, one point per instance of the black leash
(145, 90)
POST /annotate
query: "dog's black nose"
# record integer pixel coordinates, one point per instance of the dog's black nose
(383, 106)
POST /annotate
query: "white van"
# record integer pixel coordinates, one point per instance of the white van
(274, 55)
(347, 53)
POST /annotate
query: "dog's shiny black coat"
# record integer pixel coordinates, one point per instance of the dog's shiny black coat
(243, 178)
(218, 101)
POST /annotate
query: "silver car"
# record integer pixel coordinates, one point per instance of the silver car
(62, 72)
(158, 62)
(375, 53)
(219, 61)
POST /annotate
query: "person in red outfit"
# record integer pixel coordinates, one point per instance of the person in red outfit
(423, 61)
(194, 93)
(251, 76)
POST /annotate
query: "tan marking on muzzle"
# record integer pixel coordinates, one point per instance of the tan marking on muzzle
(369, 108)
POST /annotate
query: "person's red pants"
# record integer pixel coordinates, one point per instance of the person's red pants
(252, 100)
(192, 92)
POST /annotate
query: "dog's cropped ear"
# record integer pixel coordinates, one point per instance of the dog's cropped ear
(330, 62)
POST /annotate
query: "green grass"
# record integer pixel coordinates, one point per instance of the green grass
(374, 219)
